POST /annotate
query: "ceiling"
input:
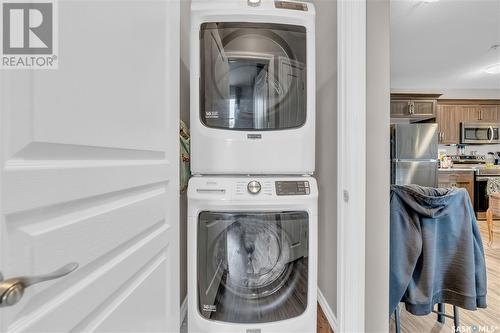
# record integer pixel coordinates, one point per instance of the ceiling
(445, 44)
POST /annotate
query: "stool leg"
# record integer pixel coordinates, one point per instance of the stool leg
(489, 220)
(456, 319)
(441, 309)
(397, 320)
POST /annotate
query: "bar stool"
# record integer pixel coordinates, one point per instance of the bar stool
(493, 210)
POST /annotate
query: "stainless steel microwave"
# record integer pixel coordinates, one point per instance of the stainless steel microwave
(479, 133)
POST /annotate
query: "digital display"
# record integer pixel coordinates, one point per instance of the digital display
(291, 5)
(292, 188)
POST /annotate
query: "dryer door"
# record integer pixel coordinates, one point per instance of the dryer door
(252, 267)
(253, 76)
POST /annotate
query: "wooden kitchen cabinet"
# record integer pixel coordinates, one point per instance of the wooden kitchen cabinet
(413, 105)
(460, 179)
(480, 113)
(489, 113)
(448, 127)
(424, 108)
(450, 114)
(400, 108)
(449, 118)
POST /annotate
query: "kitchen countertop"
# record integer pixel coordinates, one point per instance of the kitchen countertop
(457, 169)
(476, 168)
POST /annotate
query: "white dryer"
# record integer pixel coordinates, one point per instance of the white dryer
(252, 256)
(252, 87)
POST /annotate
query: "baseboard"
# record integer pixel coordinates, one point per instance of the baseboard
(327, 310)
(184, 309)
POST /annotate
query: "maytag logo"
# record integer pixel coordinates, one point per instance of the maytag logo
(29, 34)
(254, 136)
(209, 307)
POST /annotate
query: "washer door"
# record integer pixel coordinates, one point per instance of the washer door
(253, 76)
(252, 267)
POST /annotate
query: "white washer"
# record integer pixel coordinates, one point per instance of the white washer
(252, 255)
(252, 87)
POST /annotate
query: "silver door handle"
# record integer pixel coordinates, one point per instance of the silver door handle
(490, 130)
(12, 290)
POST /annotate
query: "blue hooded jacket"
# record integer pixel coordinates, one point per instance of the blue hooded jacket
(436, 253)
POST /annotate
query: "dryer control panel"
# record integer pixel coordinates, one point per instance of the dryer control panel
(292, 187)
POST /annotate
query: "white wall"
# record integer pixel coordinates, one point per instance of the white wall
(378, 167)
(480, 149)
(326, 146)
(456, 93)
(470, 94)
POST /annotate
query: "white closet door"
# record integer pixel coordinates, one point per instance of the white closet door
(89, 173)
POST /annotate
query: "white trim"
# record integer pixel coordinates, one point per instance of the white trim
(184, 309)
(351, 159)
(327, 310)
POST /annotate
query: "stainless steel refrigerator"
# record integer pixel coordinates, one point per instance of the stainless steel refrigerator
(414, 154)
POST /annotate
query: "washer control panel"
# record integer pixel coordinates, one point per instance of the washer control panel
(292, 188)
(254, 187)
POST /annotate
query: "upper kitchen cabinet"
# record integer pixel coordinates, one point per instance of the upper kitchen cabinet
(451, 113)
(480, 113)
(413, 105)
(489, 113)
(400, 108)
(448, 119)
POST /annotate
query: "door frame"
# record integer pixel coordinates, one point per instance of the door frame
(351, 161)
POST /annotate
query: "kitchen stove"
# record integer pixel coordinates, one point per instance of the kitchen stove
(495, 170)
(468, 159)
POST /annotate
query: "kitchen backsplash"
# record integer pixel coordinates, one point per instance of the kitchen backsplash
(481, 149)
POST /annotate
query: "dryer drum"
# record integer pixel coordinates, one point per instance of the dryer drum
(255, 256)
(253, 76)
(249, 52)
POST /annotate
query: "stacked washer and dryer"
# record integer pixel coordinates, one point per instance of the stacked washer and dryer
(252, 202)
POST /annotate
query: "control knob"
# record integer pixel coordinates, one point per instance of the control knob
(254, 187)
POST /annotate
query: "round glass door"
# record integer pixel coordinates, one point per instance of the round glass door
(252, 267)
(253, 76)
(256, 258)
